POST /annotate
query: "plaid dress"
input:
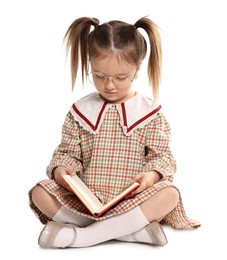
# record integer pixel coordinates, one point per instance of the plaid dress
(106, 145)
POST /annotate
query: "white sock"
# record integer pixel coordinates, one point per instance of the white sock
(111, 228)
(65, 215)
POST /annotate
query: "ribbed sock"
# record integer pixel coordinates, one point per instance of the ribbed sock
(100, 231)
(111, 228)
(65, 215)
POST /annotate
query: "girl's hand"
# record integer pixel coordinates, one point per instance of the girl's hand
(59, 172)
(146, 180)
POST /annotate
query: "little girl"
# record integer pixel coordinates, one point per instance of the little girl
(111, 138)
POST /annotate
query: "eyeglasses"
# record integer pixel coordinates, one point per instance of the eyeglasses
(99, 79)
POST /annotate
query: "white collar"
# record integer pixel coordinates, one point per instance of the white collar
(135, 113)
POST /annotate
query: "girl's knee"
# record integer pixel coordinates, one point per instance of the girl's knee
(173, 194)
(38, 195)
(44, 201)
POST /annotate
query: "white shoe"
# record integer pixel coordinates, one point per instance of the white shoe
(151, 234)
(49, 233)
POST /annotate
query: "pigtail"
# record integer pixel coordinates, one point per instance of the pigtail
(77, 43)
(155, 57)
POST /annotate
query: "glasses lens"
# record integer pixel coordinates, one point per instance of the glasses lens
(96, 78)
(121, 81)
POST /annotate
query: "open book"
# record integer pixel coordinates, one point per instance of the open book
(90, 201)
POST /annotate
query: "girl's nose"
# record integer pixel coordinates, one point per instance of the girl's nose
(109, 85)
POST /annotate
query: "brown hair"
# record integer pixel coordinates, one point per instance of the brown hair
(116, 37)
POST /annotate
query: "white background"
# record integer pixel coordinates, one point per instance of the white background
(36, 95)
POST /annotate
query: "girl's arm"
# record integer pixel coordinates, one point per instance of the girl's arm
(68, 153)
(159, 163)
(158, 155)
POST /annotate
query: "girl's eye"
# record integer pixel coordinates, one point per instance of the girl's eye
(121, 78)
(100, 76)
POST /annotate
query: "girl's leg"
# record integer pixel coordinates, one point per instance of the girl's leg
(45, 202)
(58, 235)
(130, 222)
(159, 205)
(155, 208)
(53, 209)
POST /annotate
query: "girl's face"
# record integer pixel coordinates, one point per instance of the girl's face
(113, 78)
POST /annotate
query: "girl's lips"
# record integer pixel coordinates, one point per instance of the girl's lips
(110, 93)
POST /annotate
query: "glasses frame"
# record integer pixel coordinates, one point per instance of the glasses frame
(108, 77)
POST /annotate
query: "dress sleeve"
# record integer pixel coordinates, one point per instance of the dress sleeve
(158, 155)
(68, 152)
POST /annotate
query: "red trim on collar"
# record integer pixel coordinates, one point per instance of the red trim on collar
(143, 118)
(100, 115)
(124, 113)
(87, 120)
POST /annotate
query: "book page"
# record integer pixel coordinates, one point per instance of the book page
(119, 197)
(83, 192)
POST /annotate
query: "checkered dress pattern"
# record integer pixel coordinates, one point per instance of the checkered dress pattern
(107, 161)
